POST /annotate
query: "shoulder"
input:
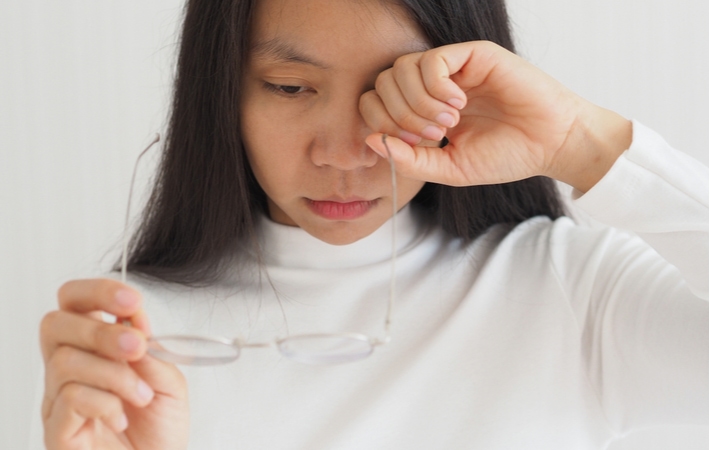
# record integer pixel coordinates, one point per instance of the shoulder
(542, 235)
(540, 244)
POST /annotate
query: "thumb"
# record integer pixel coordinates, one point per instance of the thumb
(431, 164)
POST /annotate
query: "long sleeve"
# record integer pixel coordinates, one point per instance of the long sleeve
(661, 194)
(643, 312)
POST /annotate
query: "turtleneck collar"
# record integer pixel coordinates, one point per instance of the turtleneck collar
(288, 246)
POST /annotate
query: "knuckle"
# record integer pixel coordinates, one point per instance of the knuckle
(64, 289)
(373, 123)
(62, 361)
(47, 404)
(422, 106)
(46, 326)
(406, 60)
(429, 57)
(409, 122)
(366, 100)
(401, 118)
(104, 289)
(399, 67)
(70, 393)
(439, 90)
(382, 80)
(96, 334)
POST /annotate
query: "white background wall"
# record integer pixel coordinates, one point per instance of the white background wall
(85, 84)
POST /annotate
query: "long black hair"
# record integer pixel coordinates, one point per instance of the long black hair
(205, 197)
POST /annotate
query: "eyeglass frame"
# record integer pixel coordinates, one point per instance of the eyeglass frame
(238, 343)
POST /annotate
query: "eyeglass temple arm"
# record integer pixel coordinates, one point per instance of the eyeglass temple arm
(124, 253)
(390, 304)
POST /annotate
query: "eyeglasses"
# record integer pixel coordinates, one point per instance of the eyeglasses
(314, 348)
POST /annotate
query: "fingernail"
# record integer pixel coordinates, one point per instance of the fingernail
(144, 391)
(126, 298)
(128, 341)
(410, 138)
(456, 103)
(433, 133)
(122, 423)
(446, 119)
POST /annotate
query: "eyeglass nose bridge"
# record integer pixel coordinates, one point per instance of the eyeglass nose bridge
(243, 344)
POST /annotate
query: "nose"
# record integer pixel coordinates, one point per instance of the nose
(340, 142)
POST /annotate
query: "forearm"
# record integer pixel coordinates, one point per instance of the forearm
(596, 140)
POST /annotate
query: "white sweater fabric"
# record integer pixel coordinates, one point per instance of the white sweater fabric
(550, 336)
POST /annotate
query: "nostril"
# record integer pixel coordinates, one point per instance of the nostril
(344, 156)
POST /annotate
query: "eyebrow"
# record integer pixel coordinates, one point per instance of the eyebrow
(282, 51)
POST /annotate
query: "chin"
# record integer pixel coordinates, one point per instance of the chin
(341, 233)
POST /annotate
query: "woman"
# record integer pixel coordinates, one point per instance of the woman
(513, 327)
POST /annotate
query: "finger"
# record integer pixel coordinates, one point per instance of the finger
(113, 297)
(171, 395)
(77, 404)
(408, 76)
(431, 164)
(69, 365)
(449, 70)
(401, 112)
(115, 341)
(165, 378)
(377, 118)
(140, 321)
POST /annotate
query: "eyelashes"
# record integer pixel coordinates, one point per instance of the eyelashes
(286, 90)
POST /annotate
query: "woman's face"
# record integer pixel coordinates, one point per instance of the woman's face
(310, 62)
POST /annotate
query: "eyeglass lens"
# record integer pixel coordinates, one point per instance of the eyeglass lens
(309, 349)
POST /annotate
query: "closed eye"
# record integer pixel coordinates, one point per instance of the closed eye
(286, 90)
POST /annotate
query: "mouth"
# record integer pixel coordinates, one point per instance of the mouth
(341, 210)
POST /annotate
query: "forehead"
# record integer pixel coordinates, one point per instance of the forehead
(325, 33)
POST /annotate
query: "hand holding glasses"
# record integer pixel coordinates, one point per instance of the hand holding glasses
(314, 348)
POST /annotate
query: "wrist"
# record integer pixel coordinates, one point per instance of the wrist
(596, 140)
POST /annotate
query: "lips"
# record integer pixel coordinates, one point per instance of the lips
(341, 210)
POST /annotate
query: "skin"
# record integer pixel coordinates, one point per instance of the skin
(101, 389)
(513, 120)
(316, 135)
(317, 151)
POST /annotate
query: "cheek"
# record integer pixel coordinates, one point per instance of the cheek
(271, 169)
(262, 146)
(266, 116)
(277, 163)
(273, 139)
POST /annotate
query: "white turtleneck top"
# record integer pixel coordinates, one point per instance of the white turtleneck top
(550, 336)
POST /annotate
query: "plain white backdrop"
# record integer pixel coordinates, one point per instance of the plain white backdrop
(85, 84)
